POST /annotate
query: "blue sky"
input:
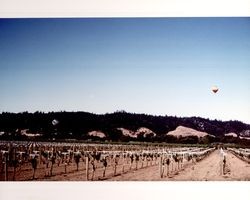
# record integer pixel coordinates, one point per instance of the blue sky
(160, 66)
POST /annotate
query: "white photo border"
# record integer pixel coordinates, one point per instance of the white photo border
(123, 190)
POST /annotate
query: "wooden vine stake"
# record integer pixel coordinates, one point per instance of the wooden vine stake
(115, 169)
(40, 155)
(224, 165)
(172, 164)
(182, 161)
(142, 159)
(116, 159)
(123, 163)
(87, 168)
(131, 162)
(161, 167)
(77, 160)
(14, 164)
(5, 167)
(34, 166)
(93, 167)
(65, 165)
(136, 162)
(53, 161)
(105, 164)
(168, 162)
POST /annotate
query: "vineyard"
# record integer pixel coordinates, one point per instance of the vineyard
(22, 161)
(243, 154)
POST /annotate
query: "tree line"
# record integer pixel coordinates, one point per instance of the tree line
(76, 125)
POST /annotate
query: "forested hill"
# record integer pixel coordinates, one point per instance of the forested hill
(77, 124)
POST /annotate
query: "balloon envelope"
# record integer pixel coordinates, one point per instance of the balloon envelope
(215, 89)
(55, 122)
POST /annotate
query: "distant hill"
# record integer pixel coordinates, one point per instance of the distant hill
(78, 125)
(231, 135)
(182, 131)
(143, 132)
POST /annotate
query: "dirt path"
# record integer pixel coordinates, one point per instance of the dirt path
(239, 170)
(209, 169)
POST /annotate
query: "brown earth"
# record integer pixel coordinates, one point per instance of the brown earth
(208, 169)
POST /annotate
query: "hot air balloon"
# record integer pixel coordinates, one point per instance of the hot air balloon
(55, 122)
(215, 89)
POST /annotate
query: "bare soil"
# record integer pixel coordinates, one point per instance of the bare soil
(208, 169)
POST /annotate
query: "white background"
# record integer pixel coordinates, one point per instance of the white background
(121, 8)
(124, 190)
